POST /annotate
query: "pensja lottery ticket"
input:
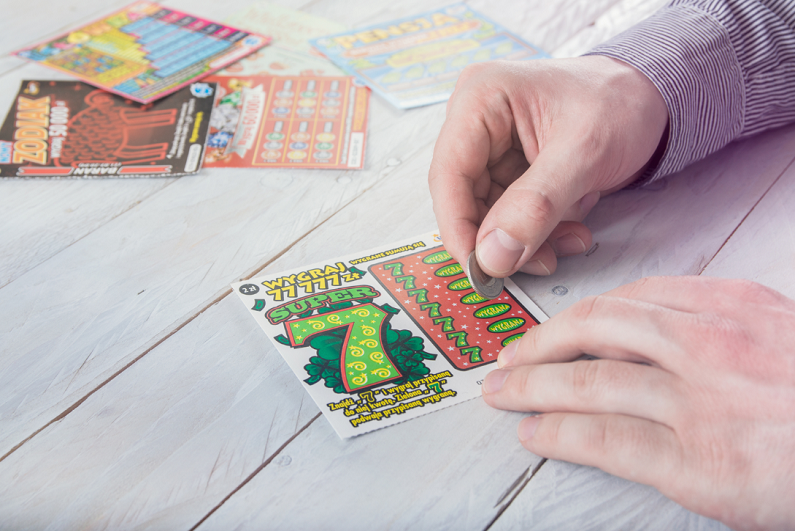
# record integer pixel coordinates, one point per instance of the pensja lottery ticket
(387, 335)
(416, 60)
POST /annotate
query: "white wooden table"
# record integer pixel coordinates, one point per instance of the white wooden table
(136, 392)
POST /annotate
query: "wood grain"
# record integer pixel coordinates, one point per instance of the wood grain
(763, 248)
(186, 414)
(41, 217)
(316, 463)
(186, 241)
(566, 496)
(673, 230)
(673, 227)
(78, 318)
(27, 23)
(619, 17)
(135, 453)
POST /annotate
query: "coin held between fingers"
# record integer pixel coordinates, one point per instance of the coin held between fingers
(484, 285)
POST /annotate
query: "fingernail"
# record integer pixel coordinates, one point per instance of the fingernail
(499, 252)
(568, 244)
(536, 267)
(589, 201)
(507, 354)
(494, 381)
(527, 428)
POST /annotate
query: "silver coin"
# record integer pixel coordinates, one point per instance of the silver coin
(485, 286)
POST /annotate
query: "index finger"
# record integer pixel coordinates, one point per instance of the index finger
(606, 327)
(474, 133)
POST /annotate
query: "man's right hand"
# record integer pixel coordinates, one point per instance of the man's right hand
(528, 148)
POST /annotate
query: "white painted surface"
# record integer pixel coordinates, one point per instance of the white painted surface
(566, 496)
(133, 281)
(763, 248)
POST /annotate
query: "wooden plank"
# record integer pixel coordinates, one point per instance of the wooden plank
(566, 496)
(125, 428)
(9, 63)
(44, 217)
(168, 439)
(427, 473)
(193, 387)
(78, 348)
(763, 248)
(621, 16)
(541, 24)
(640, 232)
(81, 316)
(318, 461)
(27, 23)
(39, 218)
(694, 213)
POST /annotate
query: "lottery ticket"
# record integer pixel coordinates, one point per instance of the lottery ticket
(70, 129)
(289, 53)
(416, 60)
(387, 335)
(145, 51)
(288, 122)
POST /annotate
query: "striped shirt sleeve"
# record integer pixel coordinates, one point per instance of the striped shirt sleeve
(726, 69)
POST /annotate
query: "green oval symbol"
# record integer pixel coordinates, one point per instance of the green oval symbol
(472, 298)
(506, 325)
(449, 271)
(460, 284)
(437, 258)
(511, 339)
(492, 310)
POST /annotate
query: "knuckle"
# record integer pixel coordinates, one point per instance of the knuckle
(524, 387)
(586, 308)
(724, 342)
(608, 434)
(753, 291)
(470, 79)
(722, 331)
(597, 435)
(541, 206)
(549, 433)
(538, 207)
(532, 342)
(585, 376)
(473, 70)
(644, 285)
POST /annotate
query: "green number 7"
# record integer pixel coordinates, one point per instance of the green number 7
(364, 362)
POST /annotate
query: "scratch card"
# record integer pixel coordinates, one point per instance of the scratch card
(416, 60)
(288, 122)
(145, 51)
(289, 53)
(387, 335)
(279, 61)
(70, 129)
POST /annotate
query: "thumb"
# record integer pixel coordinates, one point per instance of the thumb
(525, 215)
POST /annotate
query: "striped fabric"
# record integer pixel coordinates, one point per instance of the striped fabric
(726, 69)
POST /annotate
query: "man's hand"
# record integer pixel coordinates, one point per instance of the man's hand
(526, 150)
(694, 393)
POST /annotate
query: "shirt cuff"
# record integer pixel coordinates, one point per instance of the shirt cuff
(689, 57)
